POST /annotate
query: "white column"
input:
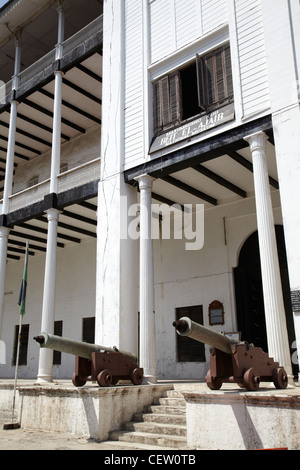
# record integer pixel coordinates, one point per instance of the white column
(9, 168)
(147, 314)
(61, 29)
(8, 182)
(56, 136)
(48, 311)
(4, 232)
(277, 336)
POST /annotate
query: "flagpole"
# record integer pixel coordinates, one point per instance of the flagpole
(17, 366)
(22, 299)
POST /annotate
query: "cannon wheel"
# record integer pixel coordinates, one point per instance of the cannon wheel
(136, 376)
(77, 380)
(213, 382)
(104, 378)
(251, 381)
(280, 378)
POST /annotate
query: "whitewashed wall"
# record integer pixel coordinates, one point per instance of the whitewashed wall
(188, 278)
(75, 299)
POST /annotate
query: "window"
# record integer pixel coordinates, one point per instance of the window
(189, 350)
(201, 87)
(33, 181)
(58, 328)
(64, 167)
(88, 330)
(23, 345)
(215, 85)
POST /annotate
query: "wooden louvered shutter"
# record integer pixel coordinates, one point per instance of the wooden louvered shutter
(214, 77)
(200, 68)
(158, 122)
(175, 99)
(228, 72)
(220, 77)
(167, 102)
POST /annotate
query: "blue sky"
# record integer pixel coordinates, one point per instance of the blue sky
(2, 2)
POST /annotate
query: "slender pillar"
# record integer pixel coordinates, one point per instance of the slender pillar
(9, 168)
(61, 29)
(9, 172)
(56, 136)
(4, 231)
(48, 312)
(277, 336)
(147, 314)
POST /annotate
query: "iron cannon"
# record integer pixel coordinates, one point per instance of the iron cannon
(93, 362)
(233, 361)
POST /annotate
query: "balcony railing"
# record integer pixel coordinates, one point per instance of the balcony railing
(82, 174)
(70, 44)
(70, 179)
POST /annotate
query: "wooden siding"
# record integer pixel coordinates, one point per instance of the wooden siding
(175, 24)
(134, 117)
(252, 56)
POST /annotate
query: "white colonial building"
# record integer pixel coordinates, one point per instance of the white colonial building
(150, 156)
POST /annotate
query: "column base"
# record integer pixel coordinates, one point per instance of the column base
(149, 379)
(291, 381)
(44, 380)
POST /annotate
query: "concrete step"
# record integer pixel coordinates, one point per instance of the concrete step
(174, 402)
(173, 394)
(152, 439)
(178, 419)
(156, 428)
(161, 409)
(161, 424)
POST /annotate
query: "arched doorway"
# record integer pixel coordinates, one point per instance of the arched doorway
(249, 292)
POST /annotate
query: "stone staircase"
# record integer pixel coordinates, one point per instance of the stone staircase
(161, 425)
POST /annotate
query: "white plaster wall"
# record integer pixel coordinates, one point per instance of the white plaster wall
(75, 299)
(234, 423)
(186, 278)
(91, 413)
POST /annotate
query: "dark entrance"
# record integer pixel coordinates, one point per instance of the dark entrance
(249, 292)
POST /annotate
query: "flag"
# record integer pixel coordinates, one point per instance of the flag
(22, 295)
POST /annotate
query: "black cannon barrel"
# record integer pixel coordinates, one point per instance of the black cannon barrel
(186, 327)
(74, 347)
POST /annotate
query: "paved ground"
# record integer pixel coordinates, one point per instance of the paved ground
(22, 439)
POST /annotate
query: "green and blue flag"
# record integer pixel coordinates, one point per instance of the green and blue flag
(22, 295)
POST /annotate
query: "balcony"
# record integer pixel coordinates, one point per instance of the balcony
(68, 180)
(81, 115)
(84, 42)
